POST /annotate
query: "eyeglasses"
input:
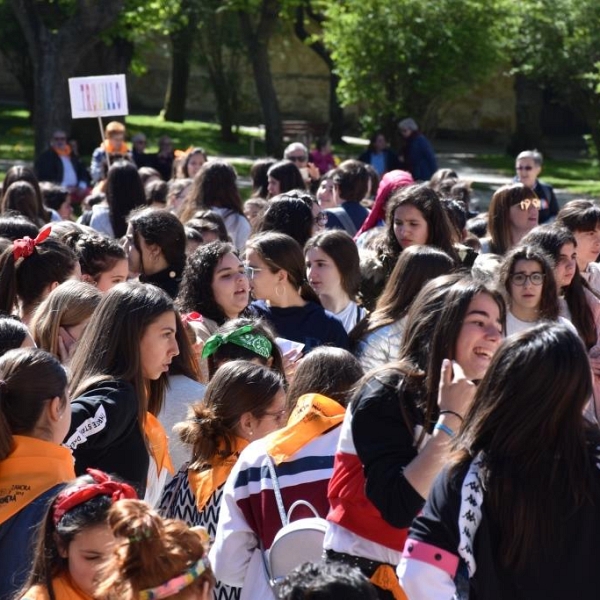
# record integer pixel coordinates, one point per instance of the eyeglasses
(251, 271)
(524, 168)
(321, 218)
(298, 158)
(59, 138)
(279, 416)
(525, 204)
(521, 278)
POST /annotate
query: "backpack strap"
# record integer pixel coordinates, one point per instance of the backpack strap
(344, 219)
(277, 491)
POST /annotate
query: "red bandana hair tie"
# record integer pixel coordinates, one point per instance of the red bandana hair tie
(24, 247)
(103, 486)
(193, 317)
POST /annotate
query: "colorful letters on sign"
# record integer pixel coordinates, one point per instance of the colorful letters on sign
(101, 96)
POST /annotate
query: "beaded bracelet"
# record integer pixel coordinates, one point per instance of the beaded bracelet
(444, 428)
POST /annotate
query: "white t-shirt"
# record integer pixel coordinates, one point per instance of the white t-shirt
(69, 175)
(350, 316)
(514, 325)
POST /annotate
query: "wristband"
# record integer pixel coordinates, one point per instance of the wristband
(452, 412)
(444, 428)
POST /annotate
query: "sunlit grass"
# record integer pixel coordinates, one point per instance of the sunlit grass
(578, 176)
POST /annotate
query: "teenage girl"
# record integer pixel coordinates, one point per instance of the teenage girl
(396, 435)
(153, 558)
(333, 271)
(275, 265)
(31, 268)
(518, 501)
(119, 373)
(377, 338)
(528, 281)
(243, 403)
(582, 218)
(34, 418)
(103, 261)
(62, 317)
(75, 539)
(155, 245)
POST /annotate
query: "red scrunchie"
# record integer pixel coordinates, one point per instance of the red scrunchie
(24, 247)
(103, 486)
(193, 317)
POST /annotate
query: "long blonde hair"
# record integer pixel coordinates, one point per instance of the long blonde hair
(67, 305)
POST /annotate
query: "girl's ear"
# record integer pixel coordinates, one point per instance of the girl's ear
(56, 409)
(63, 550)
(282, 276)
(246, 425)
(86, 278)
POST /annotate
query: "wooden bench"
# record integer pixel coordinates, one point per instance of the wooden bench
(297, 130)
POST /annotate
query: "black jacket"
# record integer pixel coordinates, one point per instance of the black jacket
(49, 167)
(105, 433)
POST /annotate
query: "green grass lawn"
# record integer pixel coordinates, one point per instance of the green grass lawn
(580, 176)
(16, 135)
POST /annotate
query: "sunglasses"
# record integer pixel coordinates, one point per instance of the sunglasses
(521, 278)
(59, 138)
(525, 168)
(251, 271)
(297, 158)
(525, 204)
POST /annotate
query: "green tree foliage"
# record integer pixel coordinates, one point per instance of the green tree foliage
(558, 45)
(404, 57)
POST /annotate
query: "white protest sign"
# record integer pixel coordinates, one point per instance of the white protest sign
(101, 96)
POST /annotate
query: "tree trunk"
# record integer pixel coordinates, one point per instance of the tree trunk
(49, 84)
(225, 103)
(257, 43)
(182, 42)
(336, 111)
(55, 52)
(528, 113)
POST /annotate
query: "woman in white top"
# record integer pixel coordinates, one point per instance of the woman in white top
(376, 341)
(527, 277)
(333, 271)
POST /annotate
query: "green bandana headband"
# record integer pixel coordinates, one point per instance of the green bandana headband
(254, 342)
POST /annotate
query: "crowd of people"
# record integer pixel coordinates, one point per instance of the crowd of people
(183, 372)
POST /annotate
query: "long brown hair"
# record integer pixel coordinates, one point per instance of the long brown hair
(551, 238)
(410, 370)
(281, 252)
(27, 278)
(31, 378)
(416, 266)
(531, 431)
(110, 346)
(214, 186)
(342, 250)
(428, 203)
(331, 372)
(68, 305)
(499, 214)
